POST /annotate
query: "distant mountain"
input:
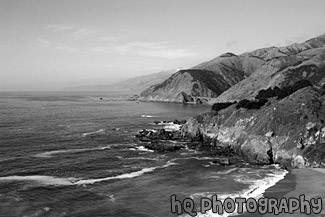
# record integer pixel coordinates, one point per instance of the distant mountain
(231, 77)
(206, 80)
(134, 85)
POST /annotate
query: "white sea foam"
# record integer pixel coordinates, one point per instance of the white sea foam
(226, 171)
(91, 133)
(200, 158)
(42, 180)
(63, 151)
(215, 175)
(124, 176)
(168, 126)
(255, 190)
(49, 180)
(147, 116)
(142, 148)
(142, 158)
(172, 127)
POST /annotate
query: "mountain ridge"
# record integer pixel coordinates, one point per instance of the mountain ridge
(242, 76)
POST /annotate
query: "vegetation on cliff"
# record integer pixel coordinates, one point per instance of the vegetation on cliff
(223, 105)
(294, 120)
(283, 92)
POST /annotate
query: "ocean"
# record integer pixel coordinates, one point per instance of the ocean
(71, 154)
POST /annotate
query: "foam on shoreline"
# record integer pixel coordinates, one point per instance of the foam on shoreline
(255, 190)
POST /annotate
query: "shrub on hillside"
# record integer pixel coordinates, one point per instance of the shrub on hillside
(268, 93)
(219, 106)
(248, 104)
(283, 92)
(286, 91)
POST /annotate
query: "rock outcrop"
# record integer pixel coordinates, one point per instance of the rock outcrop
(271, 134)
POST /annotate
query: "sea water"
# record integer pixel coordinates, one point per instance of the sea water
(71, 154)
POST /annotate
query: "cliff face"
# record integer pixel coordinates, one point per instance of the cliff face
(191, 85)
(231, 78)
(204, 81)
(291, 130)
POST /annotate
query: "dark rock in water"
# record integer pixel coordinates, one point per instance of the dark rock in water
(176, 121)
(142, 133)
(224, 161)
(160, 134)
(157, 122)
(163, 147)
(179, 122)
(117, 129)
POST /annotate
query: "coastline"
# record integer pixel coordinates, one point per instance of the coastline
(307, 181)
(280, 189)
(311, 183)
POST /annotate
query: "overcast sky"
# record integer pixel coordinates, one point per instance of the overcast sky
(50, 44)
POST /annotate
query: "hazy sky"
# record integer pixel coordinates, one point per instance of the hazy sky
(50, 44)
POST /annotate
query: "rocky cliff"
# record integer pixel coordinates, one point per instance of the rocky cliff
(231, 77)
(191, 85)
(204, 81)
(290, 131)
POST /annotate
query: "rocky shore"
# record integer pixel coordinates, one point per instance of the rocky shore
(170, 138)
(289, 132)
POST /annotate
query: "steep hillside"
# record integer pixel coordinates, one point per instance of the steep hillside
(283, 66)
(231, 77)
(290, 131)
(134, 85)
(206, 80)
(190, 86)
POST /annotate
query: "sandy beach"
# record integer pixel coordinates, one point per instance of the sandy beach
(308, 181)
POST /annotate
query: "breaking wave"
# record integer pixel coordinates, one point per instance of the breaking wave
(147, 116)
(124, 176)
(55, 181)
(255, 190)
(63, 151)
(91, 133)
(42, 180)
